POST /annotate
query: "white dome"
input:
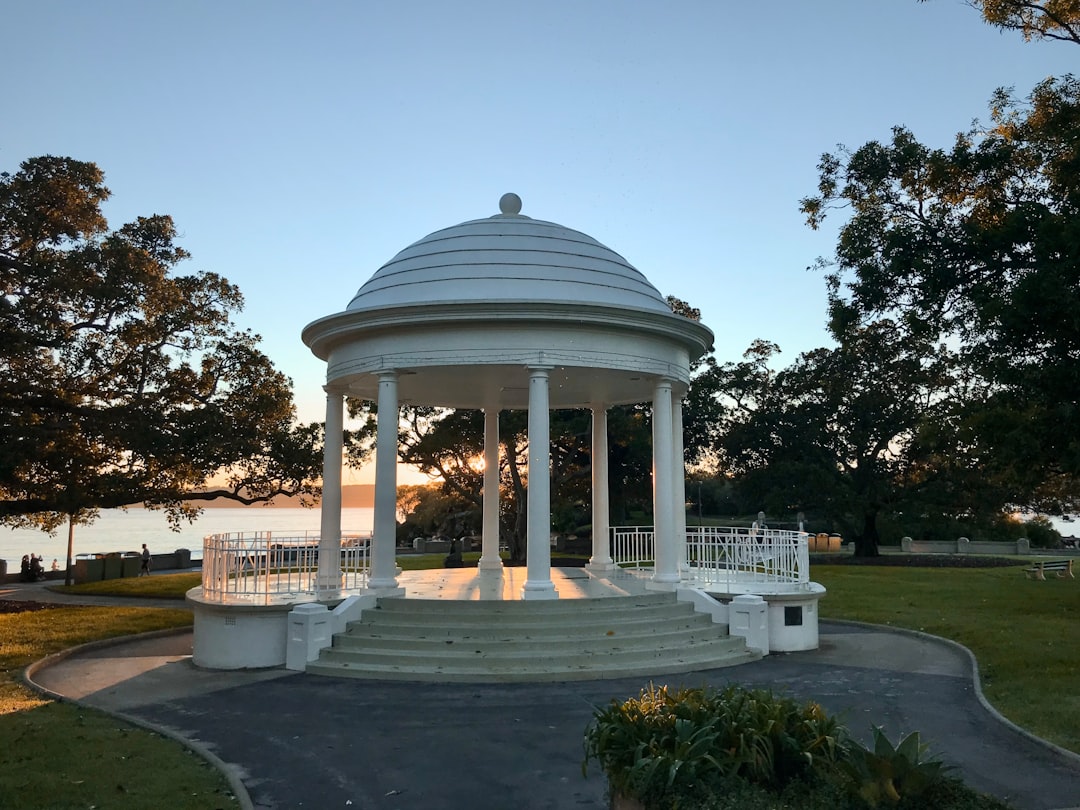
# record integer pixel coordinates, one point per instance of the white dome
(504, 258)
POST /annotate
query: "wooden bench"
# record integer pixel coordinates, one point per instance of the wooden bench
(1039, 569)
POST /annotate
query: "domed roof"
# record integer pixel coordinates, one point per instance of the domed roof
(508, 257)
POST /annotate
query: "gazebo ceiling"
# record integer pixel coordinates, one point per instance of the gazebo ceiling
(464, 313)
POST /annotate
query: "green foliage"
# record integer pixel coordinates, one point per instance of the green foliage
(975, 246)
(666, 741)
(1041, 532)
(1035, 19)
(839, 434)
(887, 774)
(121, 381)
(747, 749)
(427, 510)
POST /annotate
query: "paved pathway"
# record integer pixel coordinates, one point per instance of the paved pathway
(304, 741)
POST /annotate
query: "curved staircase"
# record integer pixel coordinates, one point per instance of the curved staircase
(501, 641)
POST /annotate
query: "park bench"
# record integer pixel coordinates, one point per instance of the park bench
(1039, 569)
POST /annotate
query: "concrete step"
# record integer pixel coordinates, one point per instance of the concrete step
(517, 607)
(544, 640)
(514, 672)
(491, 641)
(588, 624)
(528, 648)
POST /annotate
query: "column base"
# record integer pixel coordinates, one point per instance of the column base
(600, 567)
(539, 590)
(328, 582)
(490, 565)
(661, 585)
(382, 584)
(376, 590)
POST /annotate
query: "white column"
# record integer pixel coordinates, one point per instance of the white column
(666, 574)
(383, 574)
(538, 584)
(679, 471)
(329, 576)
(601, 542)
(489, 557)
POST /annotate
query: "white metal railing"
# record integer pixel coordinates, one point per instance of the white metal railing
(729, 556)
(263, 567)
(632, 546)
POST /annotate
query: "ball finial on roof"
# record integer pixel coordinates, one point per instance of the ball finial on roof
(510, 203)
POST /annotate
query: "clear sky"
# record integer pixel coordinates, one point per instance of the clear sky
(300, 145)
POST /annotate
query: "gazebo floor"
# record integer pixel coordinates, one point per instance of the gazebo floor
(467, 584)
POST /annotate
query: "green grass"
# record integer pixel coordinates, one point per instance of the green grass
(59, 755)
(1023, 632)
(155, 586)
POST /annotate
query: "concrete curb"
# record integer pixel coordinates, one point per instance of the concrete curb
(1064, 753)
(230, 772)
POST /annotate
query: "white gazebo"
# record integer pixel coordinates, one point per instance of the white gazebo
(510, 313)
(495, 314)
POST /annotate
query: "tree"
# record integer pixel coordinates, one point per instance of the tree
(838, 433)
(120, 381)
(1035, 19)
(978, 245)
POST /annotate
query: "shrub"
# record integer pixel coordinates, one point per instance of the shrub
(748, 749)
(663, 742)
(888, 774)
(1041, 533)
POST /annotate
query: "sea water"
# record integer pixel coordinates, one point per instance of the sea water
(127, 530)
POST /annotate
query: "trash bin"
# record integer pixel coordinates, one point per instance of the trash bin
(113, 566)
(3, 570)
(89, 568)
(183, 558)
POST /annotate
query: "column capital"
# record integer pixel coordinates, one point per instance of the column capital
(387, 374)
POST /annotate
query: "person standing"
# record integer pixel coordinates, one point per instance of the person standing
(145, 569)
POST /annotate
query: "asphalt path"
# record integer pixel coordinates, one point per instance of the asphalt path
(302, 741)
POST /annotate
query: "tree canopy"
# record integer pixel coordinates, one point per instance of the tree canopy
(1035, 19)
(122, 382)
(978, 245)
(836, 434)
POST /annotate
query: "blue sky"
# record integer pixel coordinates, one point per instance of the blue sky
(299, 146)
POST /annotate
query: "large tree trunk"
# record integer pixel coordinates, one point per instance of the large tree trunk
(866, 542)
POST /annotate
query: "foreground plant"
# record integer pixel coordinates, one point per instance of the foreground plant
(748, 749)
(887, 774)
(665, 741)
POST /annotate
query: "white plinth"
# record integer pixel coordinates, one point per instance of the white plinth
(238, 636)
(748, 617)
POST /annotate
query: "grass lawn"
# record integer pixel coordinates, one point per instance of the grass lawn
(1024, 633)
(155, 586)
(58, 755)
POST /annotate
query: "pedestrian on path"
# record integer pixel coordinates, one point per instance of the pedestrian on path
(145, 569)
